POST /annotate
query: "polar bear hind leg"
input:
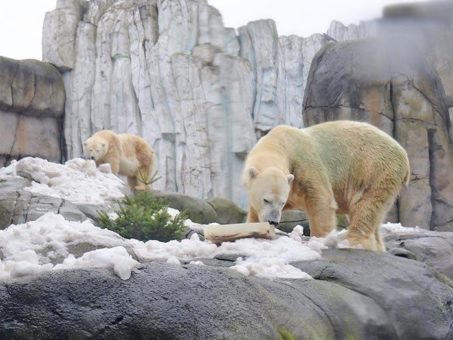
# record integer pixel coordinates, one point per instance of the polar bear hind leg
(367, 215)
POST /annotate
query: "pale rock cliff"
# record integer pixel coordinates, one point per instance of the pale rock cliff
(171, 72)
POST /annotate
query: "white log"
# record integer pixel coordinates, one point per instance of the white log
(230, 232)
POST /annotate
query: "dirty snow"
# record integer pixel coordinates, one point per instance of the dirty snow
(49, 242)
(398, 228)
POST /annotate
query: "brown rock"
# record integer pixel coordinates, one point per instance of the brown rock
(32, 98)
(390, 84)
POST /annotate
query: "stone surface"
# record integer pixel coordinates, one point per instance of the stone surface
(432, 248)
(60, 27)
(355, 294)
(364, 29)
(18, 206)
(291, 218)
(227, 212)
(32, 99)
(390, 84)
(197, 210)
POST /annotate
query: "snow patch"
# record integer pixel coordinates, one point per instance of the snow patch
(78, 180)
(269, 268)
(389, 228)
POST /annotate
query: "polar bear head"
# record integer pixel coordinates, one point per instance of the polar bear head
(268, 192)
(95, 148)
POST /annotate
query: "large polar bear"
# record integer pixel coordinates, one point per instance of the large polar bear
(127, 154)
(334, 167)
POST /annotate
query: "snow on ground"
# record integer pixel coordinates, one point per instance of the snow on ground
(78, 180)
(49, 242)
(388, 228)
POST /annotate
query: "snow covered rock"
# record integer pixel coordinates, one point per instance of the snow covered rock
(32, 187)
(17, 205)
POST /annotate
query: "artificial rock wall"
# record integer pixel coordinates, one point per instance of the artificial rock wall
(170, 71)
(32, 99)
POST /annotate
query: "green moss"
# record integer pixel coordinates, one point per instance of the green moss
(285, 334)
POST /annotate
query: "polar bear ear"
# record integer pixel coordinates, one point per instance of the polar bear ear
(290, 179)
(253, 172)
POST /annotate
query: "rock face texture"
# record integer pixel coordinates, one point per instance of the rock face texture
(354, 294)
(19, 206)
(402, 84)
(31, 110)
(171, 72)
(431, 247)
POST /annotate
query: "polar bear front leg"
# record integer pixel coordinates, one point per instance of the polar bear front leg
(252, 216)
(322, 218)
(319, 204)
(115, 164)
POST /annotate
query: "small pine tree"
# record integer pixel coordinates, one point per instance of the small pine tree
(144, 218)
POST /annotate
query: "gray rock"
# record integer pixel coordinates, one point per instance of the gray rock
(31, 87)
(391, 282)
(355, 294)
(365, 29)
(20, 206)
(291, 218)
(432, 248)
(227, 212)
(197, 210)
(60, 27)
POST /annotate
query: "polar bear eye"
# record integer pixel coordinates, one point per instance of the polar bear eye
(266, 201)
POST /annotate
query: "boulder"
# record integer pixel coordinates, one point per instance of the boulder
(389, 83)
(227, 212)
(32, 98)
(197, 210)
(18, 205)
(354, 294)
(433, 248)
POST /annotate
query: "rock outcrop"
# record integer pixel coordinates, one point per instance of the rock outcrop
(19, 203)
(171, 72)
(32, 99)
(393, 81)
(19, 206)
(354, 294)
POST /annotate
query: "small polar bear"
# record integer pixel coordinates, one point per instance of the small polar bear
(128, 155)
(335, 167)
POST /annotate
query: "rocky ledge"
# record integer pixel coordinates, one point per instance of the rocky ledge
(354, 294)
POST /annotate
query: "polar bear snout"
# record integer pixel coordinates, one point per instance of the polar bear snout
(272, 216)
